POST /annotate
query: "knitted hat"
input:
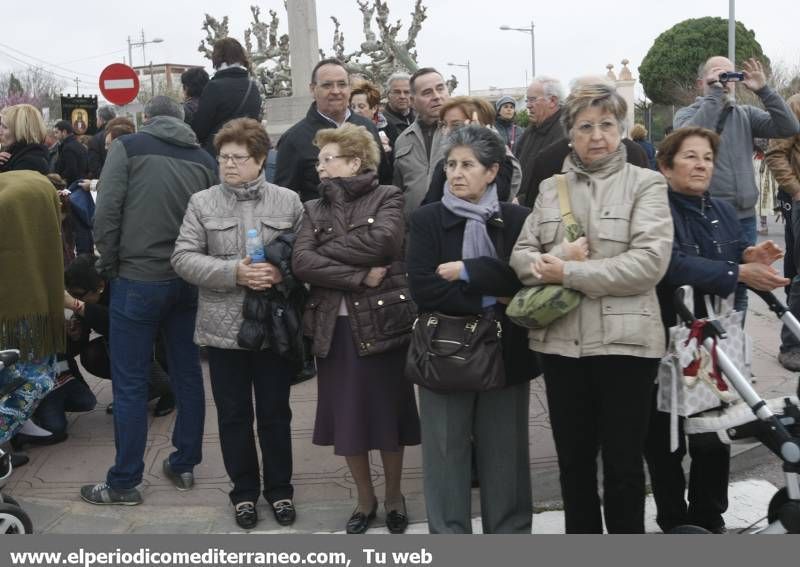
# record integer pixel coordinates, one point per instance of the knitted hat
(504, 100)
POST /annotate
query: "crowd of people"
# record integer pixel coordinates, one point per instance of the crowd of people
(386, 202)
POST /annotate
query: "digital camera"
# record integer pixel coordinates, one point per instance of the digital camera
(729, 76)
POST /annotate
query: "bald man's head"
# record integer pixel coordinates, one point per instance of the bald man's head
(711, 70)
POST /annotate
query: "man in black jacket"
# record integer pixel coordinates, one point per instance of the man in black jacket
(97, 144)
(297, 155)
(398, 111)
(73, 159)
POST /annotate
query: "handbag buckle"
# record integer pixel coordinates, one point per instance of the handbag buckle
(471, 326)
(433, 321)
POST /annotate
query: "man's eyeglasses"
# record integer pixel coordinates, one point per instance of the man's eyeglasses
(328, 85)
(586, 128)
(237, 160)
(325, 160)
(533, 99)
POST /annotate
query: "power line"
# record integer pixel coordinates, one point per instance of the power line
(92, 86)
(93, 57)
(42, 61)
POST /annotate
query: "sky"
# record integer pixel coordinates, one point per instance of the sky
(572, 37)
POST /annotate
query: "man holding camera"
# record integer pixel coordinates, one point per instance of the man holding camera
(733, 179)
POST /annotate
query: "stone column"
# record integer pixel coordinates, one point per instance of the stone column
(282, 113)
(303, 42)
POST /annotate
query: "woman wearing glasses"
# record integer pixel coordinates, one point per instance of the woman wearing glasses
(209, 253)
(457, 112)
(600, 360)
(350, 249)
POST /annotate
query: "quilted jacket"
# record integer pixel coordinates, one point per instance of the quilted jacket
(356, 225)
(211, 244)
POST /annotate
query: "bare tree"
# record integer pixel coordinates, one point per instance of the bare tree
(32, 85)
(381, 53)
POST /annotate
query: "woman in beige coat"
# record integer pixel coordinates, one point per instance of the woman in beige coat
(601, 359)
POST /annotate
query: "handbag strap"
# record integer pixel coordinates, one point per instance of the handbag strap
(244, 99)
(572, 229)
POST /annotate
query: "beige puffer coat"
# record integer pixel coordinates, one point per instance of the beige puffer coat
(212, 243)
(625, 214)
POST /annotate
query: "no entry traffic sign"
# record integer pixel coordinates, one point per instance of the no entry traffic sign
(119, 84)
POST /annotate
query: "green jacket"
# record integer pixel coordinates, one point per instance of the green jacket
(145, 186)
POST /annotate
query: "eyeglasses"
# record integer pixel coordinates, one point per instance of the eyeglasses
(325, 160)
(237, 160)
(587, 128)
(533, 99)
(454, 125)
(328, 85)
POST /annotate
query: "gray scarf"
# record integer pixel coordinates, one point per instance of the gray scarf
(476, 239)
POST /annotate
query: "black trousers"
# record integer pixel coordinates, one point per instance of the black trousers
(235, 376)
(708, 476)
(600, 404)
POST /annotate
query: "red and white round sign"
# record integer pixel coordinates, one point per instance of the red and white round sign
(119, 84)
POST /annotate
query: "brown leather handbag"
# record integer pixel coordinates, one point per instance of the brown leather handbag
(456, 353)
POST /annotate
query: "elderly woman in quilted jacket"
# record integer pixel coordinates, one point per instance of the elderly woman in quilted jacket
(600, 360)
(210, 253)
(350, 250)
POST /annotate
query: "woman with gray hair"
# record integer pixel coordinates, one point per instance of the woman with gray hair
(600, 359)
(458, 265)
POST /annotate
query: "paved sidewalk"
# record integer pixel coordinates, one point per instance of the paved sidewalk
(48, 486)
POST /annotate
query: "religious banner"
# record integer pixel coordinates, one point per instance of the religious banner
(80, 111)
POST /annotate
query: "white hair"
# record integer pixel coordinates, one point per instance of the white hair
(551, 87)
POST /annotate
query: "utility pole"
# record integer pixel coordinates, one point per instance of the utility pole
(77, 86)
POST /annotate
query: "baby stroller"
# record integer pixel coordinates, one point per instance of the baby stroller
(775, 423)
(13, 519)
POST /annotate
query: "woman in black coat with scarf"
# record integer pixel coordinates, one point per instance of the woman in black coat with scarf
(458, 265)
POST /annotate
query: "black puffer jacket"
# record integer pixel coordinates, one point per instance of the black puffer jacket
(273, 318)
(357, 225)
(222, 97)
(27, 156)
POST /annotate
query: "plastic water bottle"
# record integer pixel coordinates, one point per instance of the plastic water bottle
(254, 247)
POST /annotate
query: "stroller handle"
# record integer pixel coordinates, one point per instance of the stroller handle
(772, 302)
(679, 299)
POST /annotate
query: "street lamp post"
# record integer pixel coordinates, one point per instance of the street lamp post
(132, 44)
(469, 74)
(533, 44)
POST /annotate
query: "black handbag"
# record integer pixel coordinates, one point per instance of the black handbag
(456, 353)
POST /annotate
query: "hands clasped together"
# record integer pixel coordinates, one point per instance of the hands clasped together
(550, 268)
(257, 277)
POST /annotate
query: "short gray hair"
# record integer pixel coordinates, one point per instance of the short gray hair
(486, 144)
(106, 113)
(163, 106)
(396, 77)
(586, 94)
(551, 87)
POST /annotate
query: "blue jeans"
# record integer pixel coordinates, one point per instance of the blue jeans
(138, 311)
(74, 396)
(748, 237)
